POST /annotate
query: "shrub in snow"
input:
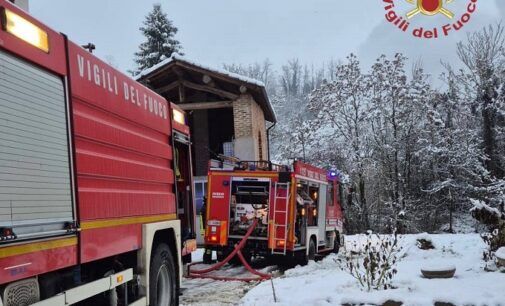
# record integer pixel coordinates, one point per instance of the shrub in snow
(373, 264)
(495, 241)
(424, 243)
(500, 253)
(494, 219)
(500, 258)
(486, 214)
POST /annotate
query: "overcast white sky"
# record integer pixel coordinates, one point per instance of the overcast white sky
(244, 31)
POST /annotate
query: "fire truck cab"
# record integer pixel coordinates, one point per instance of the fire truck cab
(298, 208)
(96, 204)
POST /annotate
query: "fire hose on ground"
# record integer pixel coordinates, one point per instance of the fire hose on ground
(236, 251)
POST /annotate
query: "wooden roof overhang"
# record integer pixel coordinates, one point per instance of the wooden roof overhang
(181, 81)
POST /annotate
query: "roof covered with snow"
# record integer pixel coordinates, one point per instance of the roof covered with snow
(203, 66)
(177, 67)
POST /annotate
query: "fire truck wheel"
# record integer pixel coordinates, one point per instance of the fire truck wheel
(162, 283)
(312, 250)
(336, 243)
(304, 257)
(113, 298)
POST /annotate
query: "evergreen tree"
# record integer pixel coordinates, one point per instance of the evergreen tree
(160, 41)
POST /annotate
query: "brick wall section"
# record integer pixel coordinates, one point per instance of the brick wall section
(249, 121)
(242, 116)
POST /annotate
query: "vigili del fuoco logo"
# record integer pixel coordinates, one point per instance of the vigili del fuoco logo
(404, 21)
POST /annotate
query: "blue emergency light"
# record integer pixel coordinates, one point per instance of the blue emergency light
(333, 173)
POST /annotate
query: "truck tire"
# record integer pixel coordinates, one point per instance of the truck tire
(303, 258)
(312, 250)
(336, 243)
(113, 298)
(162, 280)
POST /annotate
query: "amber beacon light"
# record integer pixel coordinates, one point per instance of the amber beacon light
(179, 117)
(23, 29)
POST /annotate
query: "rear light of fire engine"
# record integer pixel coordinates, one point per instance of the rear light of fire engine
(303, 211)
(314, 212)
(25, 30)
(280, 243)
(216, 232)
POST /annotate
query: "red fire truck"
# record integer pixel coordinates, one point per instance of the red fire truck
(96, 204)
(298, 210)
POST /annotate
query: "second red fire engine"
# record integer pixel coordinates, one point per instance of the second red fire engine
(298, 210)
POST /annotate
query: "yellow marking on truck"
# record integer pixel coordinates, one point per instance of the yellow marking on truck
(87, 225)
(37, 247)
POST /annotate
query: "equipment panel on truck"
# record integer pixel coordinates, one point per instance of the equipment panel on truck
(35, 184)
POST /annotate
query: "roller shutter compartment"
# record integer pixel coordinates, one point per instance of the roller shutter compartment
(35, 179)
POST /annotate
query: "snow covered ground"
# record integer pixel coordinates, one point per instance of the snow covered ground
(324, 283)
(204, 292)
(199, 292)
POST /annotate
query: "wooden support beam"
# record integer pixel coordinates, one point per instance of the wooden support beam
(216, 91)
(205, 105)
(182, 94)
(168, 87)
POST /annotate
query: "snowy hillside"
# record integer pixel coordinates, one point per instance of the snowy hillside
(324, 282)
